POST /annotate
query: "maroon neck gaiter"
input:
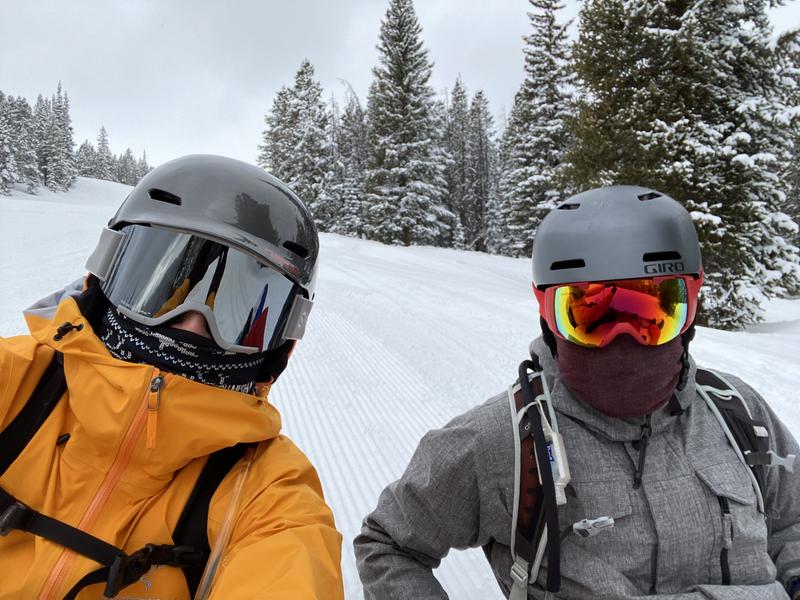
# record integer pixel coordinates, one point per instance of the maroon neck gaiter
(624, 379)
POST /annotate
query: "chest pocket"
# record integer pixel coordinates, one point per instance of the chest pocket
(741, 530)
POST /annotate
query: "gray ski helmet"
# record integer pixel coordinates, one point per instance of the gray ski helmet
(618, 232)
(233, 202)
(217, 236)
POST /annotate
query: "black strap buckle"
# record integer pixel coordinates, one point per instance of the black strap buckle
(128, 568)
(185, 556)
(13, 517)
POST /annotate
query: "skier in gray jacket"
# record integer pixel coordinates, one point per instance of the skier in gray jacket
(617, 273)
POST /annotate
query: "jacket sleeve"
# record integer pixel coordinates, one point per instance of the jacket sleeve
(433, 507)
(285, 543)
(782, 496)
(18, 357)
(783, 502)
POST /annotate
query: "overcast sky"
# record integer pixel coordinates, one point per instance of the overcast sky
(176, 77)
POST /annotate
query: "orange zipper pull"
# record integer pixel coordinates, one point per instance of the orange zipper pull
(153, 404)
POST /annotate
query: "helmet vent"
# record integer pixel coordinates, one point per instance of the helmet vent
(661, 256)
(569, 206)
(163, 196)
(296, 249)
(649, 196)
(560, 265)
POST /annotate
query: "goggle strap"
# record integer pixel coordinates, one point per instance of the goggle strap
(298, 317)
(102, 258)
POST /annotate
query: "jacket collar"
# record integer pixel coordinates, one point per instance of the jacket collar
(613, 429)
(193, 419)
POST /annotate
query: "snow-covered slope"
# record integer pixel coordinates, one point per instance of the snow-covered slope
(400, 340)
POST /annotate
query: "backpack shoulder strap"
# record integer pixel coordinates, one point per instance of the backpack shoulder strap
(192, 527)
(532, 511)
(748, 436)
(23, 427)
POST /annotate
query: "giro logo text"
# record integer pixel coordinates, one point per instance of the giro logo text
(661, 268)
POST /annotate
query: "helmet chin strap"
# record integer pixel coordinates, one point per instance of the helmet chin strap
(548, 337)
(686, 337)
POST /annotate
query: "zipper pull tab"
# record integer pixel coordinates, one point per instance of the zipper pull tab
(641, 446)
(153, 404)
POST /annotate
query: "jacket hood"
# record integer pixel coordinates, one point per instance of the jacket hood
(618, 430)
(190, 419)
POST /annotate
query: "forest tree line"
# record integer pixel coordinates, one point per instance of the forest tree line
(695, 99)
(37, 148)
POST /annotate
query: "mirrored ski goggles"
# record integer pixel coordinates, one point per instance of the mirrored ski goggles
(153, 275)
(653, 311)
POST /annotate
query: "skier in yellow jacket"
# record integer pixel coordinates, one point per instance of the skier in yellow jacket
(143, 393)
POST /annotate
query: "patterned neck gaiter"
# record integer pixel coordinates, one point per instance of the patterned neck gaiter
(180, 352)
(624, 379)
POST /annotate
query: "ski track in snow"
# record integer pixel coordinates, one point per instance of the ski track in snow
(399, 342)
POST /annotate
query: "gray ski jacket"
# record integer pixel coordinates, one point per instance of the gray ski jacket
(695, 510)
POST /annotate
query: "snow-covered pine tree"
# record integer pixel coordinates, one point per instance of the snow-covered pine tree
(126, 168)
(498, 209)
(481, 175)
(310, 169)
(683, 97)
(406, 187)
(456, 140)
(43, 127)
(277, 138)
(142, 168)
(61, 173)
(295, 144)
(352, 155)
(8, 168)
(85, 159)
(537, 135)
(23, 143)
(788, 49)
(104, 160)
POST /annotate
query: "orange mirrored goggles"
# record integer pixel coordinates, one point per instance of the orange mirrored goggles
(652, 310)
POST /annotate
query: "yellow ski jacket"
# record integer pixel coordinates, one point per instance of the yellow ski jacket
(130, 463)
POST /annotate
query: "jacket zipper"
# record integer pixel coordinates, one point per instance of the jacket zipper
(153, 404)
(727, 539)
(641, 446)
(110, 481)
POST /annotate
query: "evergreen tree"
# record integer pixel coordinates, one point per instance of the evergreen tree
(537, 135)
(276, 150)
(311, 152)
(62, 164)
(126, 168)
(142, 168)
(683, 97)
(43, 127)
(481, 174)
(457, 141)
(8, 169)
(406, 187)
(85, 159)
(352, 155)
(788, 49)
(104, 160)
(296, 146)
(23, 143)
